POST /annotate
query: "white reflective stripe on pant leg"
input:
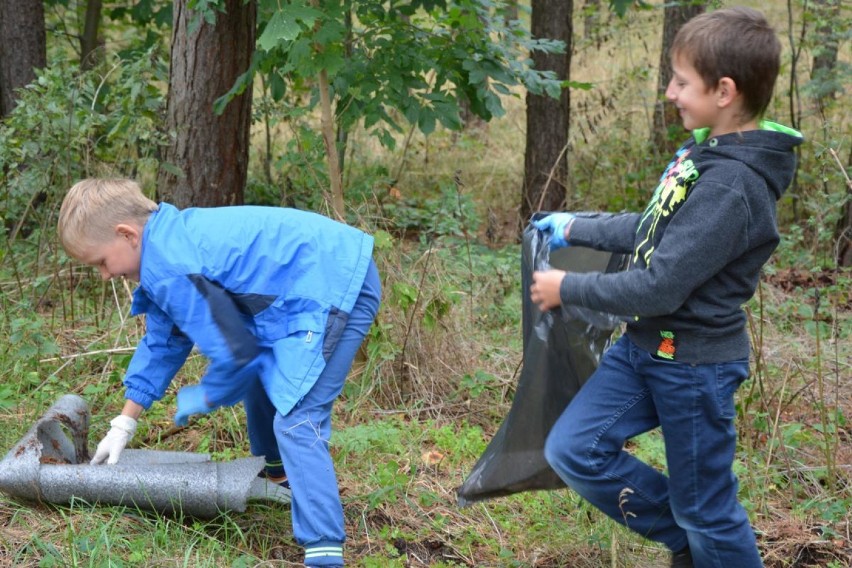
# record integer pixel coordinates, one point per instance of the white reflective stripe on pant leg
(323, 552)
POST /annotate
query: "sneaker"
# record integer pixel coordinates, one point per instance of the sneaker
(682, 559)
(282, 481)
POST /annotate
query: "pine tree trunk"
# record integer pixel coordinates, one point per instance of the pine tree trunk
(22, 48)
(545, 158)
(828, 33)
(211, 151)
(89, 40)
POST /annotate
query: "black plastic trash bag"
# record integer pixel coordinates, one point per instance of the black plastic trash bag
(562, 348)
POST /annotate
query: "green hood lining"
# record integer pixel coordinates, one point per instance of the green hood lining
(700, 134)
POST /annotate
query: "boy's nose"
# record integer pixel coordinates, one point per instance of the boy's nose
(105, 275)
(670, 94)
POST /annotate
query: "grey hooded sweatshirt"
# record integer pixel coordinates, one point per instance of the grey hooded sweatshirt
(697, 250)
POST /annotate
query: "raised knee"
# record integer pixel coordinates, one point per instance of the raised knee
(565, 456)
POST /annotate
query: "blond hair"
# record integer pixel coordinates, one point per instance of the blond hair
(93, 208)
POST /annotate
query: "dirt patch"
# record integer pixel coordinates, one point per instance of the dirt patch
(425, 552)
(796, 279)
(788, 544)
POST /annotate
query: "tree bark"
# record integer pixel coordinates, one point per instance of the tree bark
(211, 151)
(89, 40)
(328, 136)
(668, 132)
(843, 229)
(22, 48)
(824, 77)
(545, 157)
(827, 39)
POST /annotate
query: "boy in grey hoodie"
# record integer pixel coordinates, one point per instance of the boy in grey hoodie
(696, 255)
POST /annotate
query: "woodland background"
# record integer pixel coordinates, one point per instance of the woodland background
(438, 126)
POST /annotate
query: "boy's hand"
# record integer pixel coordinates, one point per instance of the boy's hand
(544, 290)
(123, 428)
(190, 400)
(556, 223)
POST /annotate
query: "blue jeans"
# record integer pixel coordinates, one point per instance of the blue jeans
(633, 392)
(300, 439)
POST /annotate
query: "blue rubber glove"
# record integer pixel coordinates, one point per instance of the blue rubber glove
(190, 400)
(556, 223)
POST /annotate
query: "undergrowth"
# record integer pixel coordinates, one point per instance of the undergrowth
(439, 368)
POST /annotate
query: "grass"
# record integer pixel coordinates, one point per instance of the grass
(408, 434)
(440, 365)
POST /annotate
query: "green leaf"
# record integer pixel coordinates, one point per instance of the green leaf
(426, 121)
(383, 240)
(578, 85)
(239, 87)
(281, 27)
(406, 294)
(620, 6)
(277, 87)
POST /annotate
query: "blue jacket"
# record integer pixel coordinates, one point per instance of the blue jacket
(260, 290)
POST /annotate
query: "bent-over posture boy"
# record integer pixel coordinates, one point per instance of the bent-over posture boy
(696, 255)
(278, 300)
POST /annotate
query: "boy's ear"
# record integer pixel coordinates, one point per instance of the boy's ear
(726, 92)
(126, 231)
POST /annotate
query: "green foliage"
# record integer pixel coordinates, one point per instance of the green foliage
(650, 448)
(144, 12)
(450, 212)
(303, 166)
(415, 61)
(477, 383)
(440, 362)
(620, 7)
(70, 124)
(461, 442)
(390, 482)
(29, 340)
(377, 437)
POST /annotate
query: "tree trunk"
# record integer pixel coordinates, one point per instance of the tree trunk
(843, 229)
(210, 151)
(330, 140)
(668, 132)
(89, 40)
(828, 34)
(22, 48)
(843, 235)
(827, 85)
(342, 135)
(511, 11)
(545, 157)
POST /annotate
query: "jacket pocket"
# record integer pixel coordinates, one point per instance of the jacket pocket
(298, 355)
(334, 327)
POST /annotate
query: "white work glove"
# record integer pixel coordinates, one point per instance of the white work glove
(123, 428)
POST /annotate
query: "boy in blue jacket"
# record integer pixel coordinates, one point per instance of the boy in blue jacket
(696, 255)
(278, 300)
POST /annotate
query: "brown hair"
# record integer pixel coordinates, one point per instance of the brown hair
(734, 42)
(92, 209)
